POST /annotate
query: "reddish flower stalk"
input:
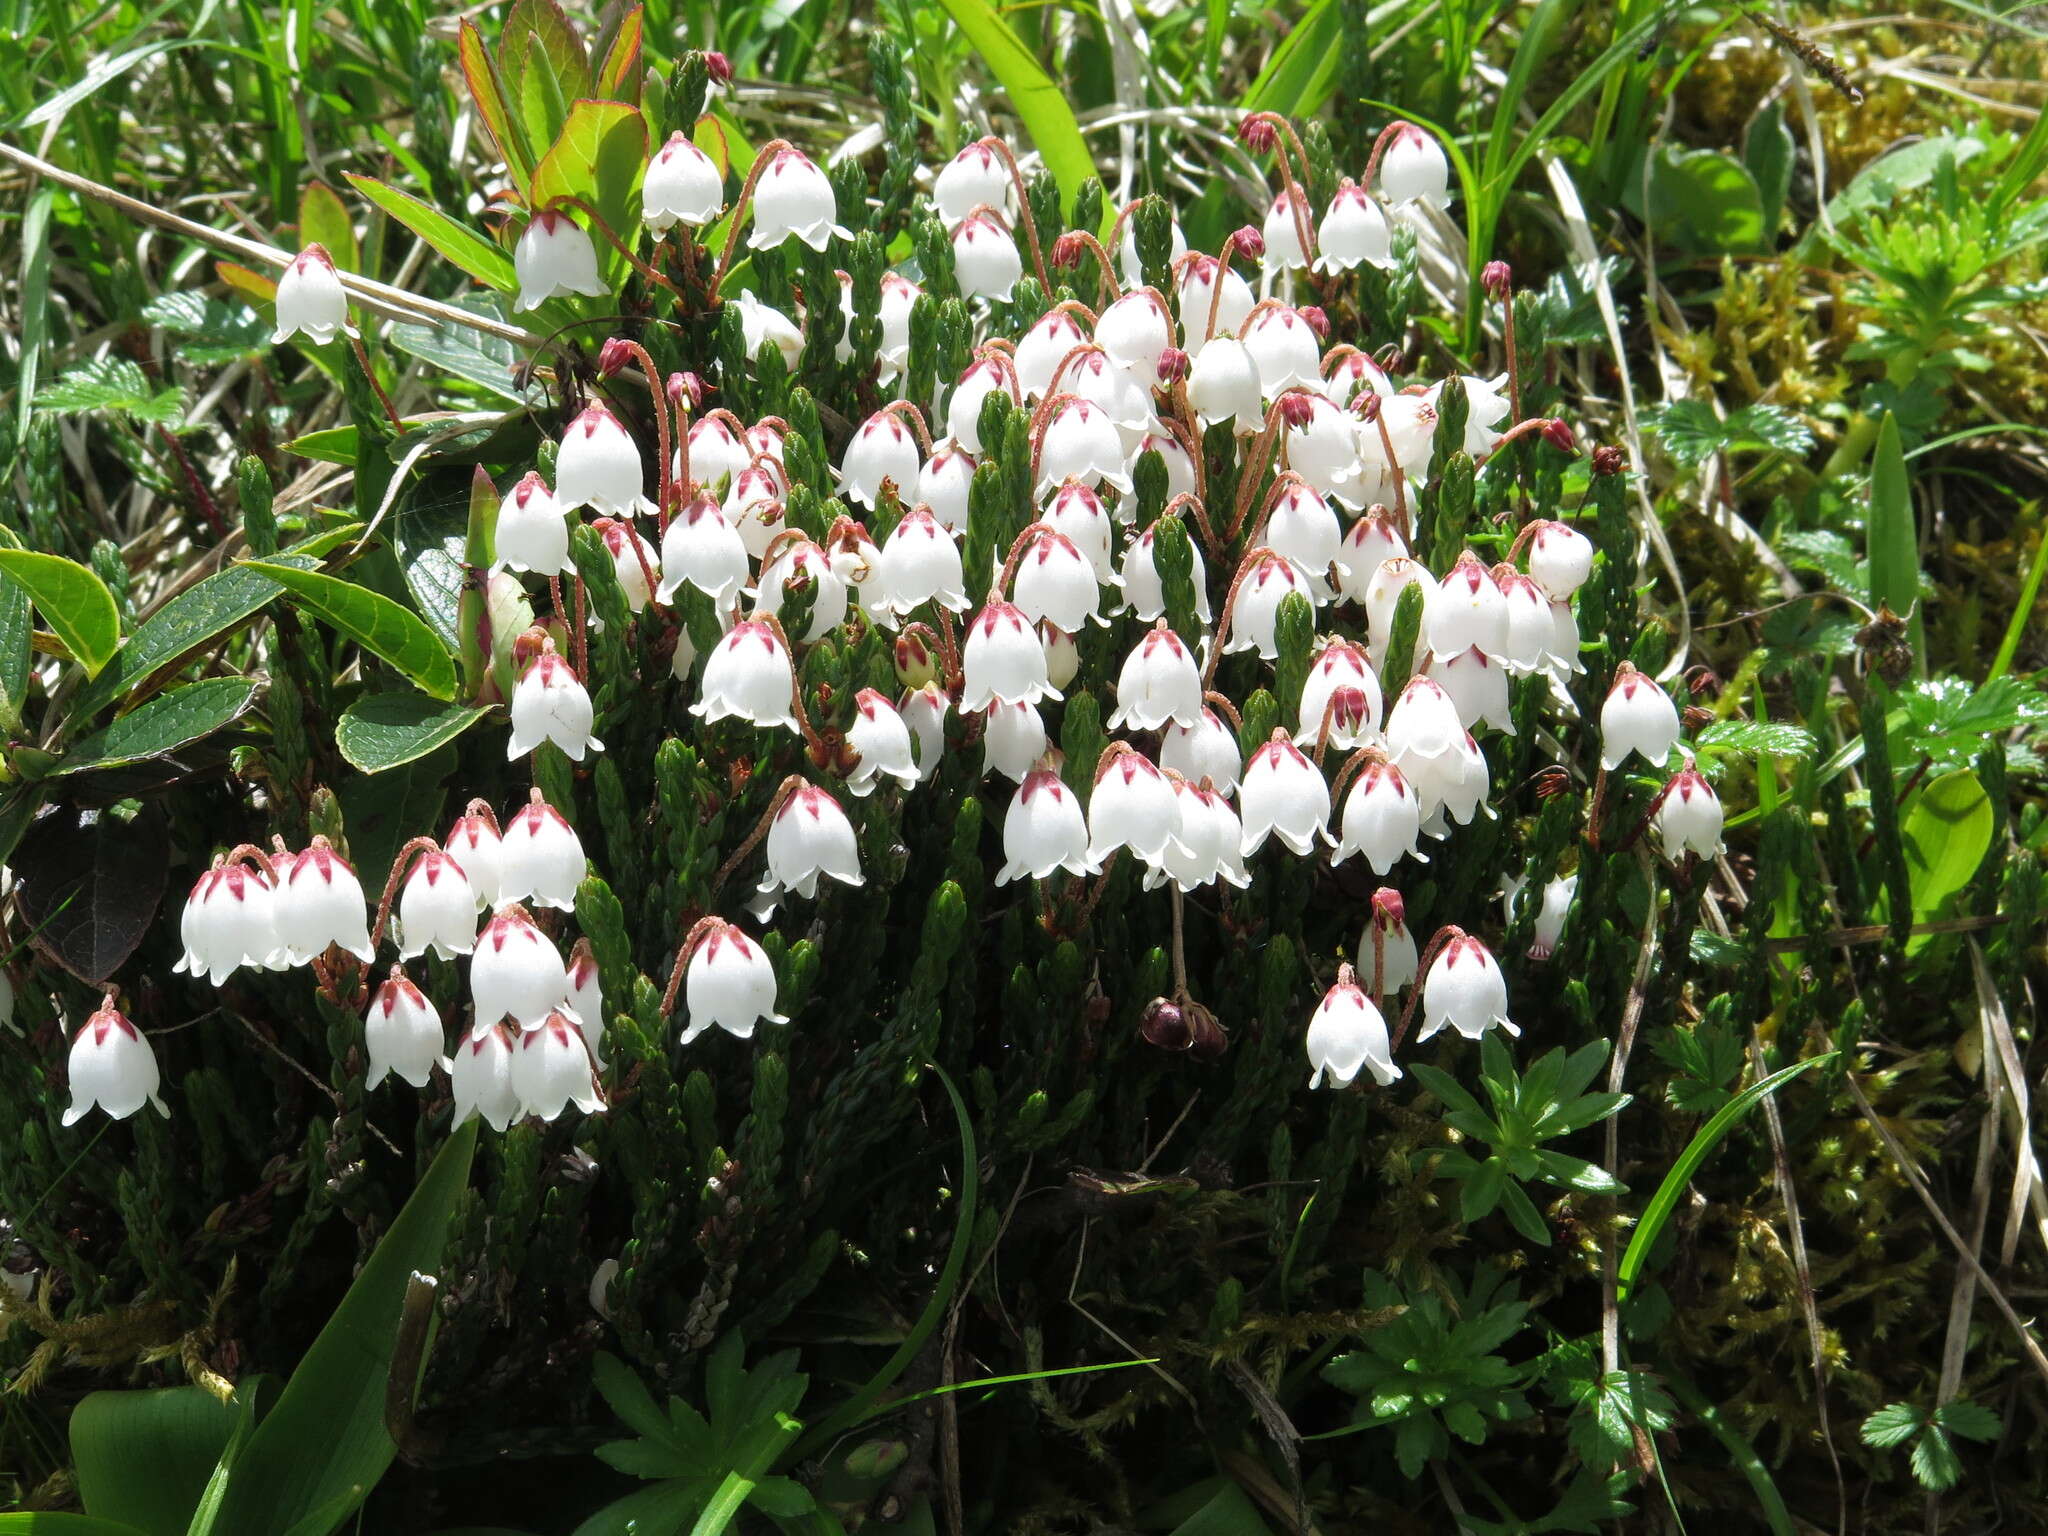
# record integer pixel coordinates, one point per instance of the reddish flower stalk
(762, 160)
(1297, 200)
(1023, 209)
(698, 930)
(1437, 941)
(1067, 252)
(399, 866)
(611, 359)
(1252, 558)
(783, 791)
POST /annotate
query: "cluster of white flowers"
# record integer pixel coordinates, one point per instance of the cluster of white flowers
(1175, 791)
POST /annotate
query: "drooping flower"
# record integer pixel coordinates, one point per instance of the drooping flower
(1044, 831)
(1225, 386)
(1477, 686)
(1637, 717)
(112, 1067)
(552, 1069)
(728, 983)
(1464, 989)
(1209, 845)
(943, 485)
(473, 843)
(1207, 750)
(1338, 667)
(1347, 1035)
(763, 325)
(229, 921)
(516, 972)
(1135, 331)
(311, 300)
(599, 466)
(881, 452)
(985, 259)
(1414, 169)
(1081, 442)
(1132, 807)
(1353, 231)
(1466, 609)
(682, 186)
(551, 704)
(924, 710)
(1002, 659)
(1560, 559)
(794, 197)
(1387, 928)
(1284, 347)
(633, 561)
(880, 738)
(541, 858)
(976, 177)
(554, 256)
(808, 837)
(704, 550)
(1254, 619)
(586, 999)
(533, 531)
(1145, 590)
(480, 1078)
(1284, 795)
(1689, 817)
(436, 909)
(1159, 683)
(797, 562)
(1382, 819)
(921, 564)
(1383, 597)
(402, 1033)
(1056, 583)
(319, 902)
(1012, 739)
(1283, 239)
(749, 674)
(1041, 350)
(1196, 289)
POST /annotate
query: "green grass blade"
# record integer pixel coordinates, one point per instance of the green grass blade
(1894, 545)
(1038, 100)
(1740, 1451)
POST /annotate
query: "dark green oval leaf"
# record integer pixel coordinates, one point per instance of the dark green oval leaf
(73, 602)
(386, 730)
(162, 725)
(372, 620)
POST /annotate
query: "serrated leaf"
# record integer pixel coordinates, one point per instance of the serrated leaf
(73, 601)
(1757, 736)
(111, 384)
(1935, 1462)
(1893, 1424)
(1973, 1421)
(373, 621)
(386, 730)
(217, 331)
(161, 725)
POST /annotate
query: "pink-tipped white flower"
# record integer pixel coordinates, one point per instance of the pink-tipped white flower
(586, 999)
(1560, 559)
(763, 325)
(1082, 443)
(1040, 351)
(1387, 925)
(704, 550)
(1414, 169)
(1062, 655)
(1012, 740)
(1529, 630)
(881, 740)
(633, 561)
(480, 1078)
(1347, 1035)
(1477, 687)
(1283, 238)
(436, 910)
(112, 1067)
(1003, 659)
(990, 374)
(730, 984)
(1254, 618)
(800, 562)
(985, 259)
(1383, 597)
(881, 452)
(794, 197)
(533, 532)
(473, 842)
(810, 836)
(924, 710)
(717, 456)
(899, 295)
(1099, 379)
(1209, 845)
(541, 858)
(229, 921)
(1284, 795)
(921, 564)
(1368, 544)
(1556, 902)
(754, 508)
(402, 1033)
(1136, 331)
(1339, 667)
(1466, 610)
(1044, 831)
(749, 673)
(943, 485)
(1285, 348)
(516, 972)
(554, 256)
(1354, 374)
(1323, 448)
(1198, 277)
(1637, 717)
(1464, 989)
(1486, 407)
(1423, 723)
(552, 1069)
(319, 902)
(1382, 819)
(1689, 817)
(1353, 231)
(310, 299)
(977, 177)
(551, 704)
(682, 186)
(1303, 527)
(1056, 583)
(599, 466)
(1132, 807)
(1145, 590)
(1206, 750)
(1159, 683)
(1453, 784)
(1224, 385)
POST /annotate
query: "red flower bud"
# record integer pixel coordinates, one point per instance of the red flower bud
(1317, 320)
(1608, 460)
(1258, 134)
(1209, 1041)
(1165, 1026)
(1559, 436)
(1173, 365)
(687, 388)
(1388, 909)
(1070, 250)
(613, 355)
(718, 66)
(1249, 241)
(1496, 277)
(1296, 409)
(530, 644)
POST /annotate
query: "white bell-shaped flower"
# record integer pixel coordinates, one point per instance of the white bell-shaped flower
(1339, 667)
(1205, 751)
(1285, 349)
(599, 466)
(310, 299)
(229, 921)
(634, 560)
(541, 858)
(1042, 349)
(1689, 817)
(1414, 169)
(810, 836)
(749, 673)
(1348, 1035)
(1197, 292)
(754, 507)
(1003, 659)
(1423, 722)
(1387, 926)
(1529, 632)
(1452, 785)
(1132, 806)
(1159, 683)
(533, 531)
(516, 972)
(1383, 597)
(319, 902)
(985, 259)
(682, 186)
(1467, 609)
(1637, 717)
(1354, 231)
(1352, 373)
(943, 486)
(977, 177)
(1254, 618)
(1082, 443)
(586, 999)
(799, 561)
(1055, 582)
(550, 704)
(1062, 654)
(729, 983)
(1284, 795)
(1465, 990)
(1078, 513)
(1477, 686)
(112, 1067)
(437, 909)
(1209, 845)
(402, 1033)
(1013, 739)
(1303, 526)
(1560, 559)
(1555, 903)
(717, 455)
(1135, 331)
(763, 325)
(1044, 831)
(924, 711)
(474, 842)
(794, 197)
(555, 256)
(1180, 471)
(1224, 385)
(881, 452)
(552, 1069)
(1563, 656)
(1145, 590)
(881, 740)
(1282, 235)
(1402, 438)
(1382, 819)
(990, 374)
(1099, 379)
(921, 564)
(704, 550)
(480, 1078)
(1322, 447)
(1368, 543)
(899, 297)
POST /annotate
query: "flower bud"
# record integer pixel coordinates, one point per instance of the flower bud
(1248, 240)
(1164, 1025)
(1497, 278)
(916, 666)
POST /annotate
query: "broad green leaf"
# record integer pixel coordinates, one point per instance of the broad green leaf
(487, 91)
(598, 159)
(1043, 106)
(373, 621)
(616, 77)
(659, 1507)
(388, 729)
(1702, 200)
(162, 725)
(112, 384)
(1894, 545)
(1973, 1421)
(325, 220)
(144, 1458)
(462, 350)
(73, 602)
(541, 64)
(1947, 832)
(382, 810)
(457, 242)
(326, 1435)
